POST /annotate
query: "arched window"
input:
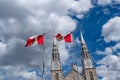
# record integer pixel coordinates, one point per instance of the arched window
(57, 76)
(91, 75)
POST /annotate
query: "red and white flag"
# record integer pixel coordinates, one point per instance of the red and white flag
(59, 37)
(68, 38)
(34, 40)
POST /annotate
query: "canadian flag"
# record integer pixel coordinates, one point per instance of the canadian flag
(34, 40)
(66, 38)
(59, 37)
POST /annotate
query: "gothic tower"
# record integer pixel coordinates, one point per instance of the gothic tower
(88, 69)
(56, 71)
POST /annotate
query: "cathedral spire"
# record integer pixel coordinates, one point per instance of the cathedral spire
(85, 53)
(89, 71)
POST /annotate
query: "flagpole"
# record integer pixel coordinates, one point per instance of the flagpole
(43, 61)
(75, 55)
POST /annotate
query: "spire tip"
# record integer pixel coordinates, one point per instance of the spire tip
(81, 36)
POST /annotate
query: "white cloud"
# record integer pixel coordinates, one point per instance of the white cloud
(104, 72)
(107, 2)
(99, 52)
(11, 20)
(18, 72)
(60, 23)
(108, 50)
(80, 16)
(79, 7)
(117, 1)
(63, 52)
(116, 47)
(77, 40)
(2, 48)
(109, 65)
(60, 6)
(104, 2)
(109, 59)
(28, 75)
(84, 5)
(110, 30)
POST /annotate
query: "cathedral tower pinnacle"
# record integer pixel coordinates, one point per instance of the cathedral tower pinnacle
(85, 53)
(89, 71)
(56, 71)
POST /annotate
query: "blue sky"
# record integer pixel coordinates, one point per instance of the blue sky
(20, 19)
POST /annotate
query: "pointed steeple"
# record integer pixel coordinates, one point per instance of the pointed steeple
(82, 39)
(87, 65)
(85, 53)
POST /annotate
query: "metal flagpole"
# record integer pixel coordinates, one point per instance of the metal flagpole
(43, 63)
(75, 55)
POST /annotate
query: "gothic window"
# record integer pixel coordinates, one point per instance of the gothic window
(91, 75)
(57, 76)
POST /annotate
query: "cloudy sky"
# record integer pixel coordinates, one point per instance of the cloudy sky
(99, 21)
